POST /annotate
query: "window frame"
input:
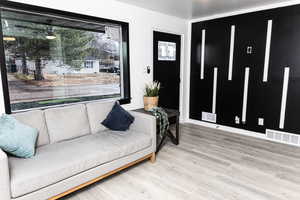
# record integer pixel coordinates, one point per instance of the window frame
(125, 80)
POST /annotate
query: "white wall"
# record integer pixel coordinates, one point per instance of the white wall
(2, 110)
(142, 22)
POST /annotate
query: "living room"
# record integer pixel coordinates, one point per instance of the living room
(207, 91)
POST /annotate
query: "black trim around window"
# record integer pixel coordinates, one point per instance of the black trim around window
(4, 74)
(70, 15)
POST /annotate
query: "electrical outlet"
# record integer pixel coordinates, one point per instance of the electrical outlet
(260, 121)
(237, 120)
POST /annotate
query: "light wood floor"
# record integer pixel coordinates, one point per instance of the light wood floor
(208, 164)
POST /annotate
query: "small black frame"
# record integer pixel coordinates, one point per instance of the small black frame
(70, 15)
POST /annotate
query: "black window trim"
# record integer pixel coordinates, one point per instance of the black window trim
(70, 15)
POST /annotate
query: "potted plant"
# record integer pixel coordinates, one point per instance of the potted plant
(151, 95)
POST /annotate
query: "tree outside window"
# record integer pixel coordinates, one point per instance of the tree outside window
(48, 64)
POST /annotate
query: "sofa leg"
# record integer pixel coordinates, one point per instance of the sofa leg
(152, 158)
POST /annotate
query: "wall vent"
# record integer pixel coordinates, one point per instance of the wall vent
(283, 137)
(209, 117)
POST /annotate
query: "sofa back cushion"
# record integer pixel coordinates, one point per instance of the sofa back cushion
(97, 112)
(35, 119)
(67, 122)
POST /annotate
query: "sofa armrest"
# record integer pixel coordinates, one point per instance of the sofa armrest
(146, 124)
(4, 177)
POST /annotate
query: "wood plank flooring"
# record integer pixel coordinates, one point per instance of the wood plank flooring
(208, 164)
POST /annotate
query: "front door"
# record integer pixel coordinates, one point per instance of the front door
(166, 67)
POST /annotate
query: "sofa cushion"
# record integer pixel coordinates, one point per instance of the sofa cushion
(59, 161)
(97, 112)
(67, 122)
(36, 120)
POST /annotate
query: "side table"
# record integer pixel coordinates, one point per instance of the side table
(173, 116)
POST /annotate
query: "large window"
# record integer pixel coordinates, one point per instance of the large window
(53, 59)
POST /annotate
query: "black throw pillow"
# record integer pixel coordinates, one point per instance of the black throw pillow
(118, 119)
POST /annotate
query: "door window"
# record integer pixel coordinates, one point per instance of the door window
(166, 51)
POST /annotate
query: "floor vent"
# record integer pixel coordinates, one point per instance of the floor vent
(209, 117)
(284, 137)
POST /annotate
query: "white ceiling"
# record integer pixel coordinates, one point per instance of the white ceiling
(191, 9)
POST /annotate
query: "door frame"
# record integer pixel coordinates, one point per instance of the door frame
(182, 62)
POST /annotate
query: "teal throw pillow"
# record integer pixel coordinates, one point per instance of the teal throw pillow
(16, 138)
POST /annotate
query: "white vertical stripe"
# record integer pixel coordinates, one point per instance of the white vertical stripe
(215, 90)
(245, 97)
(202, 54)
(267, 52)
(232, 36)
(284, 96)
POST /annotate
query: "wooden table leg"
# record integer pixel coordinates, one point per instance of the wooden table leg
(175, 139)
(161, 142)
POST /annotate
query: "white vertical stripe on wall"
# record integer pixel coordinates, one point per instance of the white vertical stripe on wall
(215, 90)
(267, 52)
(202, 54)
(245, 97)
(284, 96)
(232, 37)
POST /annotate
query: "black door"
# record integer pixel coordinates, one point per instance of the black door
(285, 51)
(249, 53)
(216, 47)
(166, 67)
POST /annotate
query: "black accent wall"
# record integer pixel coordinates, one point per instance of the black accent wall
(264, 98)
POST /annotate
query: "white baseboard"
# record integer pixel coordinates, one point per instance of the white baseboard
(234, 130)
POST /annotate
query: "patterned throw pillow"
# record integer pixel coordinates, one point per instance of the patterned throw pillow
(16, 138)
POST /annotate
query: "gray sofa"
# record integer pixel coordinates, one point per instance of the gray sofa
(73, 150)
